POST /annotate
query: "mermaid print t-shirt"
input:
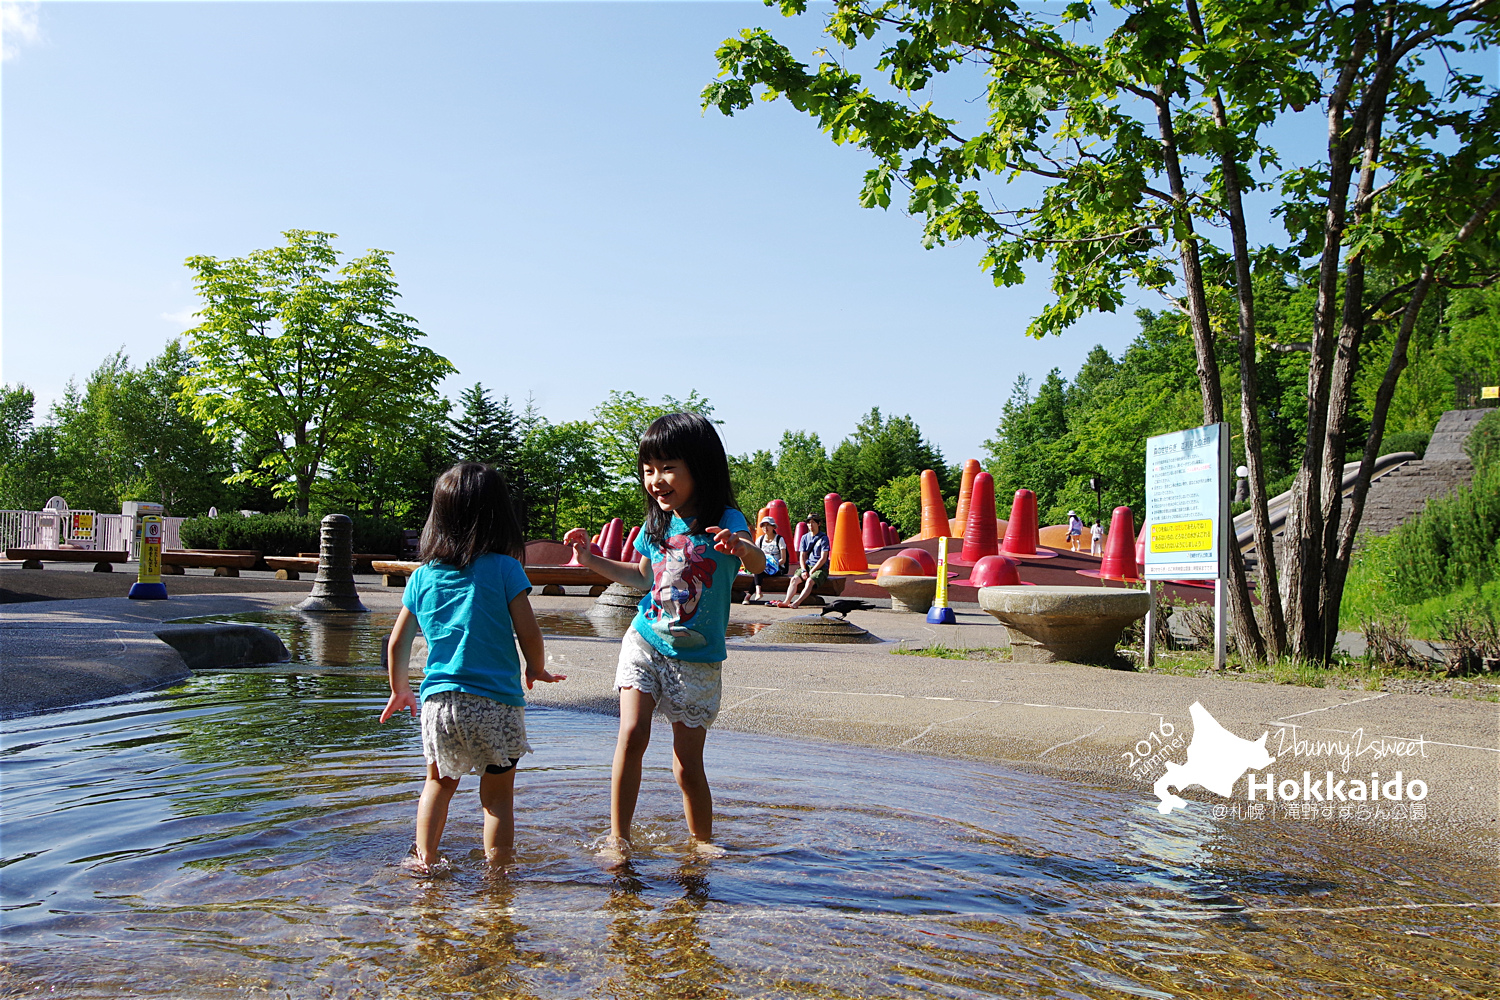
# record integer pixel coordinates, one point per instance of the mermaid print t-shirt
(687, 610)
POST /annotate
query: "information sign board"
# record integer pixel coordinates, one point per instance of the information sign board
(1187, 504)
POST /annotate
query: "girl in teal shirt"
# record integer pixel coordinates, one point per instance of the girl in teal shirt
(469, 598)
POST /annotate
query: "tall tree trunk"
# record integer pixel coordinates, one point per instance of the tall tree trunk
(1241, 608)
(1304, 527)
(1253, 643)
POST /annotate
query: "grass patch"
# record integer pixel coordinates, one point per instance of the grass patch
(1345, 674)
(939, 651)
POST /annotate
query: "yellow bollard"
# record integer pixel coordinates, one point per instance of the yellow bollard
(940, 613)
(148, 585)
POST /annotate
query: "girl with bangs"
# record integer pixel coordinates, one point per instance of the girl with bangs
(691, 547)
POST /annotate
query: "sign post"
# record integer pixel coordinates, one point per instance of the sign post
(1187, 510)
(148, 585)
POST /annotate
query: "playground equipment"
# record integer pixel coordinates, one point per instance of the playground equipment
(1119, 561)
(910, 588)
(924, 559)
(1077, 624)
(1021, 533)
(940, 613)
(783, 519)
(980, 532)
(813, 628)
(848, 546)
(627, 551)
(993, 571)
(613, 534)
(832, 503)
(965, 492)
(797, 536)
(934, 514)
(873, 535)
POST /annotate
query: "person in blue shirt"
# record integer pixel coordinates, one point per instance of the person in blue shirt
(691, 548)
(469, 599)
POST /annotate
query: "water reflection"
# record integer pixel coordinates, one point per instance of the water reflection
(241, 834)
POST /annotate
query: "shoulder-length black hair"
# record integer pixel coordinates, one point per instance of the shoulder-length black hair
(690, 438)
(471, 514)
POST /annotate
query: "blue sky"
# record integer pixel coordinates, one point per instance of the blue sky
(564, 219)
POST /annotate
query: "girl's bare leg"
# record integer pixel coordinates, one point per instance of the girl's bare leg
(625, 777)
(497, 797)
(687, 768)
(432, 813)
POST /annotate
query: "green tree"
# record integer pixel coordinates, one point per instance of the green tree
(484, 430)
(619, 424)
(563, 475)
(300, 354)
(1141, 137)
(388, 468)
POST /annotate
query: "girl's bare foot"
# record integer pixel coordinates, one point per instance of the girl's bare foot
(615, 850)
(706, 849)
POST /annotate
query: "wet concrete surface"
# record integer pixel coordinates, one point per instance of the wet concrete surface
(1058, 717)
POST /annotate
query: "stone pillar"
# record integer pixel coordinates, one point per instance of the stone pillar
(333, 588)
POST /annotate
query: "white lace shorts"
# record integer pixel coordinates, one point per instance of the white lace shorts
(463, 733)
(685, 692)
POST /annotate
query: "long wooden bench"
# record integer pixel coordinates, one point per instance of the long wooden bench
(102, 559)
(292, 567)
(224, 562)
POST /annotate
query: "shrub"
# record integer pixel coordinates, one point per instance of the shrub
(1454, 543)
(1483, 444)
(1405, 441)
(284, 534)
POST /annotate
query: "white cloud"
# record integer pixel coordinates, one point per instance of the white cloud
(18, 26)
(182, 317)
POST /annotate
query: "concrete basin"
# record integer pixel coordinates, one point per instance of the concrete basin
(909, 593)
(1077, 624)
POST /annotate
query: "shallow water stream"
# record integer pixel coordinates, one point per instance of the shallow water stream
(240, 835)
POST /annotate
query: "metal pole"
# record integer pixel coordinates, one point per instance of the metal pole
(1219, 622)
(1149, 655)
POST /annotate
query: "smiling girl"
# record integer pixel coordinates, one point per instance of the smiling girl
(691, 548)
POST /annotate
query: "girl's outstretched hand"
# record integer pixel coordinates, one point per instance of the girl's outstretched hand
(726, 541)
(397, 702)
(579, 539)
(540, 674)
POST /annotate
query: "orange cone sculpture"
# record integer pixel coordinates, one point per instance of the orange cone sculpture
(848, 546)
(966, 490)
(831, 504)
(934, 514)
(1119, 548)
(980, 531)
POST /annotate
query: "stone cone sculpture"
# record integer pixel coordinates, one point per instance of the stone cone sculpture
(980, 532)
(848, 546)
(934, 514)
(333, 588)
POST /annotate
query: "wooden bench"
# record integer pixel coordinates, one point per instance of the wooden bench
(363, 561)
(224, 562)
(292, 567)
(102, 559)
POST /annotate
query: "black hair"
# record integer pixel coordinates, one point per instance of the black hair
(471, 514)
(816, 515)
(691, 439)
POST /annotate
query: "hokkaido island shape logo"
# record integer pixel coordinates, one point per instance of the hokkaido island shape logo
(1216, 758)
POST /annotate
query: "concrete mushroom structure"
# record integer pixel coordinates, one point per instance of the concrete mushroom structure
(1077, 624)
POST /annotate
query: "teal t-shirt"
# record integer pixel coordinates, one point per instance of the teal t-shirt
(687, 610)
(465, 617)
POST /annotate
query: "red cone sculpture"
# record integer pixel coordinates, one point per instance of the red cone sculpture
(873, 537)
(1119, 548)
(979, 532)
(831, 506)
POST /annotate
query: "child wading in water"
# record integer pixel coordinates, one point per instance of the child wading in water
(690, 551)
(469, 597)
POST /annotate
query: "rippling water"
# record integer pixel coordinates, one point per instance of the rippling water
(240, 835)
